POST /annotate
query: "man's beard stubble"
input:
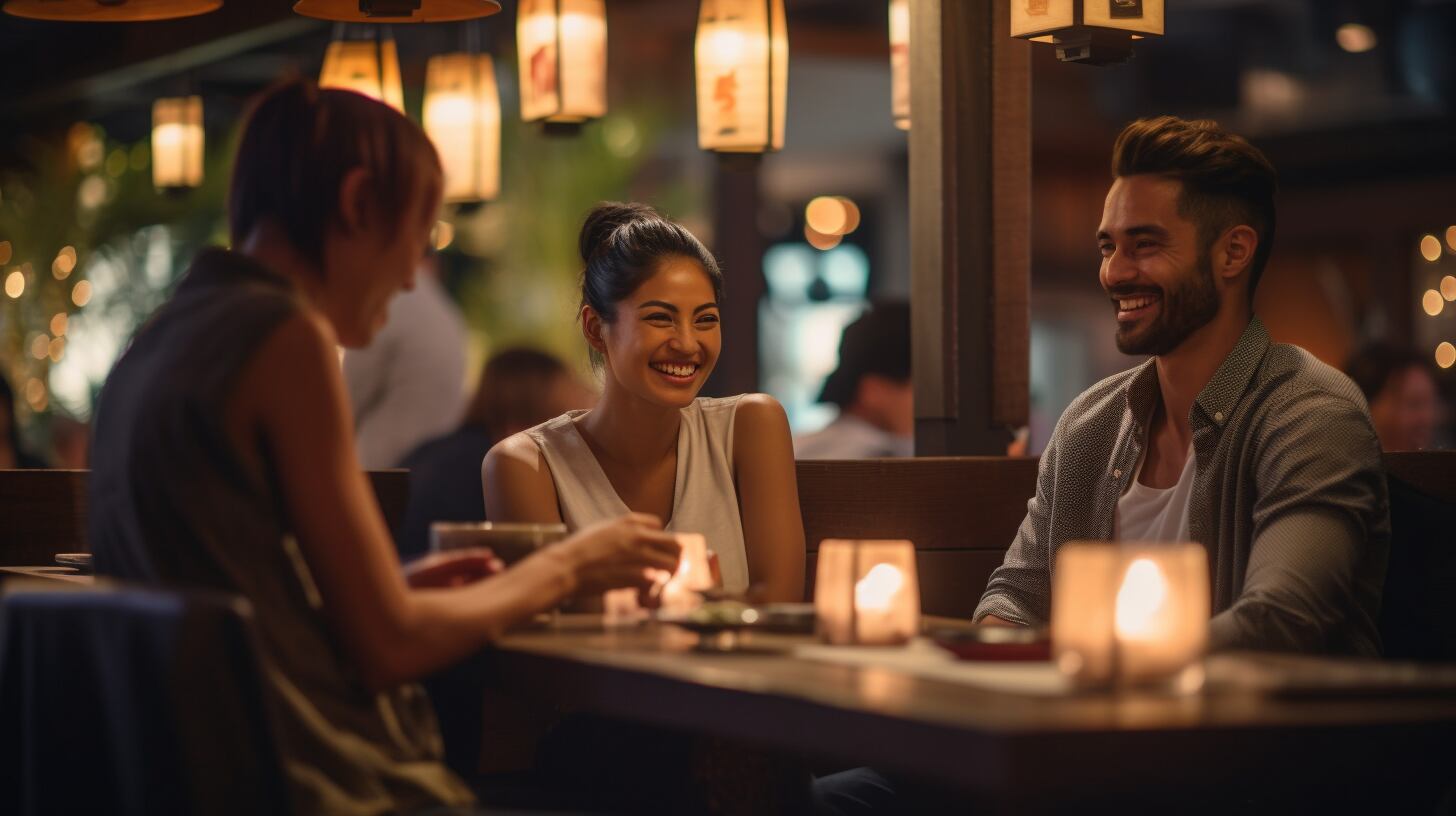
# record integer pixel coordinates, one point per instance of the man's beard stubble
(1181, 311)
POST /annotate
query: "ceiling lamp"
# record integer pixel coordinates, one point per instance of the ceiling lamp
(463, 119)
(177, 143)
(743, 75)
(396, 11)
(1096, 32)
(363, 59)
(562, 48)
(109, 11)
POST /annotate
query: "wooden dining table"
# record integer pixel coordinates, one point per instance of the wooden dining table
(1012, 751)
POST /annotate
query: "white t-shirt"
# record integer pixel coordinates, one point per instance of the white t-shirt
(1151, 514)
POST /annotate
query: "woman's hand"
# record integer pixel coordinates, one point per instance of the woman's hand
(623, 552)
(452, 569)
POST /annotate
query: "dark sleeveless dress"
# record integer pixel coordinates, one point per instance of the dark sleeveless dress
(172, 504)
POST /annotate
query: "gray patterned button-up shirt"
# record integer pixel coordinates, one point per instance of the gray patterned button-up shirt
(1289, 498)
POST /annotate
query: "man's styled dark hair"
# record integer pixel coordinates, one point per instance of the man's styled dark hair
(1226, 180)
(299, 143)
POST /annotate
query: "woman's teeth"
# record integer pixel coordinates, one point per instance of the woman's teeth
(674, 370)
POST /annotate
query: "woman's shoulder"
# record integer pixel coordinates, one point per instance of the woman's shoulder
(518, 449)
(748, 415)
(753, 407)
(738, 405)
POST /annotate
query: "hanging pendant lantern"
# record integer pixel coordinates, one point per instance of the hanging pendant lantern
(1095, 32)
(463, 119)
(562, 52)
(109, 11)
(743, 75)
(177, 143)
(363, 59)
(396, 11)
(900, 62)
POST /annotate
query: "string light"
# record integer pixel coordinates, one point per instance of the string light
(1431, 301)
(1431, 248)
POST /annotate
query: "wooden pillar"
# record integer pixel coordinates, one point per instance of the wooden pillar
(739, 247)
(970, 212)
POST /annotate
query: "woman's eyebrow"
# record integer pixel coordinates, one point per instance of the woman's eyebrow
(658, 304)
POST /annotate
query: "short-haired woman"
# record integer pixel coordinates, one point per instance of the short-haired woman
(721, 467)
(223, 457)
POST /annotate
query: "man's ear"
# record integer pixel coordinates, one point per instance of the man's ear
(1238, 246)
(355, 208)
(592, 327)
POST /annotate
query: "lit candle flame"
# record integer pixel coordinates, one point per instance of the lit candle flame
(875, 591)
(1141, 599)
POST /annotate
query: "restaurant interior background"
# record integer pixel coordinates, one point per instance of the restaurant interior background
(1353, 100)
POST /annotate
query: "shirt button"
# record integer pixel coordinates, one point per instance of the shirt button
(1117, 473)
(1218, 416)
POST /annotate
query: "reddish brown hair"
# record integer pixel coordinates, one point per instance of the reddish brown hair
(299, 143)
(1226, 180)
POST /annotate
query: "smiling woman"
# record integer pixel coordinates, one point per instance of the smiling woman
(720, 467)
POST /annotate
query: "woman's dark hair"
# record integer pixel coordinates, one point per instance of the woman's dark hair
(1372, 366)
(299, 143)
(1226, 180)
(621, 245)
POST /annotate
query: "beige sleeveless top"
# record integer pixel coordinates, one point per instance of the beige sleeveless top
(704, 499)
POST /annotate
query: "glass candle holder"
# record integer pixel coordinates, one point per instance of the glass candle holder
(683, 591)
(1130, 615)
(866, 592)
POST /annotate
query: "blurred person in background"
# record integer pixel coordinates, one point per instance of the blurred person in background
(873, 390)
(12, 455)
(408, 385)
(1400, 386)
(519, 388)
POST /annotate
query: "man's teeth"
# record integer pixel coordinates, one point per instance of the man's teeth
(1128, 304)
(676, 370)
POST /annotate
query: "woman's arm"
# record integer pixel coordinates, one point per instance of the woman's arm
(392, 632)
(517, 483)
(768, 497)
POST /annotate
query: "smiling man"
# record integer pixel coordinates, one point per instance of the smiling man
(1256, 450)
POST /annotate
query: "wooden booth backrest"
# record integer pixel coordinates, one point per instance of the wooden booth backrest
(43, 512)
(961, 514)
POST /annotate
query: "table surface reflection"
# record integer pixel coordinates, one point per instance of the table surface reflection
(955, 734)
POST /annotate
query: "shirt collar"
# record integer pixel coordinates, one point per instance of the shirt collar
(1231, 380)
(1223, 391)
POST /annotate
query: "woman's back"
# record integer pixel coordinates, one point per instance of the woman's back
(178, 499)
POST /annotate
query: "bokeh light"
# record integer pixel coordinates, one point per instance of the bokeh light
(1431, 301)
(1448, 287)
(819, 240)
(81, 294)
(58, 324)
(15, 283)
(1431, 248)
(5, 252)
(1445, 355)
(1356, 38)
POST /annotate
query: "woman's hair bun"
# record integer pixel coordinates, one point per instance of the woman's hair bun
(605, 219)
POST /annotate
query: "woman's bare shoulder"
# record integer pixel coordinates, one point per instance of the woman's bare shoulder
(760, 411)
(517, 452)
